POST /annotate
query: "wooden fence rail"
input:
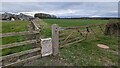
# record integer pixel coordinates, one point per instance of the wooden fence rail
(18, 33)
(79, 27)
(20, 53)
(24, 61)
(16, 56)
(31, 54)
(18, 44)
(60, 41)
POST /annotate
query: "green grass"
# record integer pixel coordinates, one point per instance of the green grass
(0, 27)
(0, 38)
(74, 22)
(85, 53)
(16, 26)
(46, 31)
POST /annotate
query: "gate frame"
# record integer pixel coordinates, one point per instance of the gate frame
(55, 39)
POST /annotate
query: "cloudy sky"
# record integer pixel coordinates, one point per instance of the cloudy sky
(64, 9)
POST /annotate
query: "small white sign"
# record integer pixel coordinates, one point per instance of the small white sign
(46, 46)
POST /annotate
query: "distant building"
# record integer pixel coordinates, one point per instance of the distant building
(12, 19)
(9, 16)
(24, 17)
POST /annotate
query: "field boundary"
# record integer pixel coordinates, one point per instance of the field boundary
(56, 34)
(23, 56)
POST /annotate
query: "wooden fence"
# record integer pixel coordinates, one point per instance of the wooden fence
(27, 55)
(61, 39)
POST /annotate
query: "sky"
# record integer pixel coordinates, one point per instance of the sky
(60, 0)
(63, 9)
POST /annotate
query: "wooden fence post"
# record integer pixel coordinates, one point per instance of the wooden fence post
(55, 39)
(31, 36)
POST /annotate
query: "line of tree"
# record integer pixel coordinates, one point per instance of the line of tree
(102, 18)
(44, 16)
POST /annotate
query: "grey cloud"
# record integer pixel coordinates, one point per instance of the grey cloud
(62, 8)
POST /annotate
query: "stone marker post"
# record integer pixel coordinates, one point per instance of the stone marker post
(55, 39)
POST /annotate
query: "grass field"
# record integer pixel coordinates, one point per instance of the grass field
(67, 23)
(74, 22)
(16, 26)
(84, 53)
